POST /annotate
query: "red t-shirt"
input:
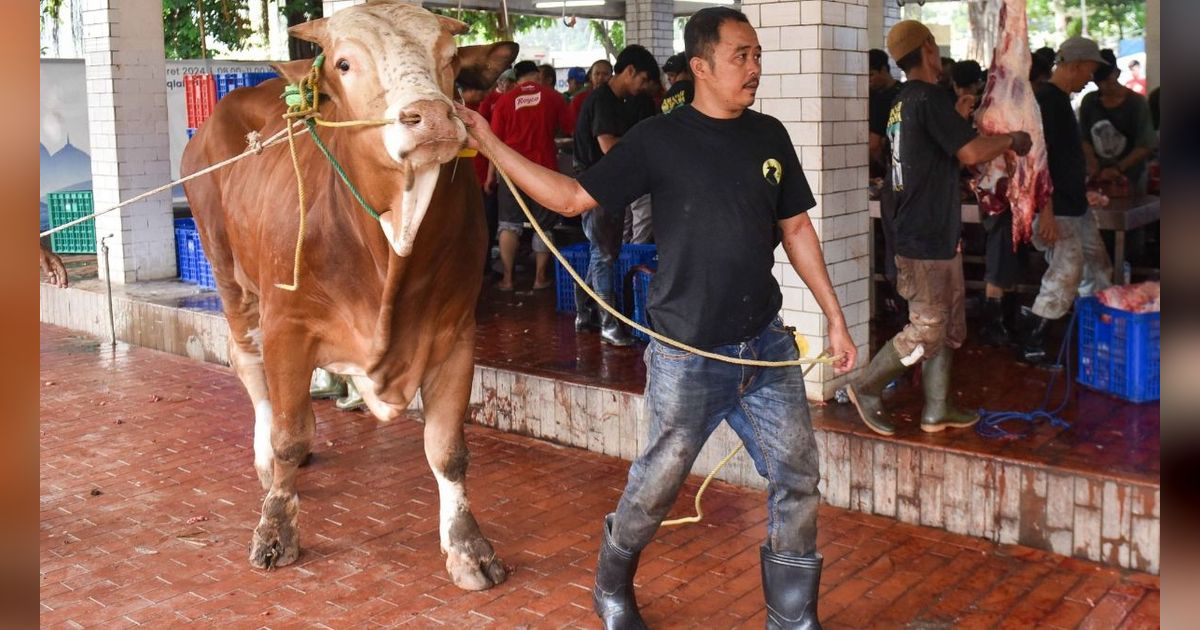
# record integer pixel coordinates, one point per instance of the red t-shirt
(577, 106)
(479, 162)
(526, 118)
(489, 101)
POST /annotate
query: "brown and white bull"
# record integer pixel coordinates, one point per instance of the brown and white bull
(389, 302)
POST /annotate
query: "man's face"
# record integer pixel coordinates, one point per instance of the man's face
(878, 79)
(736, 65)
(638, 81)
(931, 49)
(672, 77)
(1135, 70)
(600, 74)
(1081, 73)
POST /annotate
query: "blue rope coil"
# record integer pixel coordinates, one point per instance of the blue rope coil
(989, 425)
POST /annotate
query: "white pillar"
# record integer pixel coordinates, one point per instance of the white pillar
(814, 80)
(648, 23)
(127, 119)
(882, 15)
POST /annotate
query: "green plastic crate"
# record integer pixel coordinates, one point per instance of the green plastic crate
(66, 206)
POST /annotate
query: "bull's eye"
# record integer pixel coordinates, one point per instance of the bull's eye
(343, 66)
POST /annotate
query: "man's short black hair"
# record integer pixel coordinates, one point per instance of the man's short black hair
(1039, 68)
(703, 30)
(966, 73)
(1047, 54)
(877, 60)
(525, 67)
(638, 57)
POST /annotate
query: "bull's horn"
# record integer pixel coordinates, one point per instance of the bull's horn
(401, 231)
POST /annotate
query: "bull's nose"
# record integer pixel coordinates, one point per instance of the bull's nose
(410, 117)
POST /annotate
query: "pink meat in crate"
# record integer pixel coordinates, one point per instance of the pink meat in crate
(1021, 184)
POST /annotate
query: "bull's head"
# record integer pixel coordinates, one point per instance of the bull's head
(397, 62)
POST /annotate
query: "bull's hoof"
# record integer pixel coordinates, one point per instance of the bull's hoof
(275, 542)
(471, 572)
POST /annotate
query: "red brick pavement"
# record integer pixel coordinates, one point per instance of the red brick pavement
(148, 498)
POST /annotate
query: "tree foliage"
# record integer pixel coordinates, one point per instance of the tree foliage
(610, 34)
(488, 26)
(222, 21)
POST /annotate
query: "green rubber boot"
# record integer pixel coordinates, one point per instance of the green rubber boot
(352, 400)
(326, 384)
(867, 392)
(939, 413)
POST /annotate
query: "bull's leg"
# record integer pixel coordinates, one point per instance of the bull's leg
(276, 541)
(470, 560)
(246, 357)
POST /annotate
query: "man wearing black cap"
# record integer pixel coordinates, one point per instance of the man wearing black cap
(1065, 228)
(682, 87)
(727, 187)
(928, 141)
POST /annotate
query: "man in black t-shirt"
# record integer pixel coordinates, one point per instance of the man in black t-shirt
(725, 180)
(609, 112)
(928, 140)
(683, 88)
(883, 88)
(1065, 228)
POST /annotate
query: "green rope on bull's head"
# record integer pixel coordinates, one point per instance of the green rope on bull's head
(303, 101)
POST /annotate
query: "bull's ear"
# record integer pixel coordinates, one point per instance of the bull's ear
(315, 31)
(293, 71)
(480, 66)
(453, 26)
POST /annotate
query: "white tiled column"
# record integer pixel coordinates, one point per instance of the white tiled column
(125, 70)
(648, 23)
(814, 80)
(881, 16)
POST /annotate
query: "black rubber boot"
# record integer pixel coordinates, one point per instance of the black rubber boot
(613, 598)
(612, 331)
(939, 413)
(1032, 348)
(993, 332)
(585, 311)
(790, 586)
(866, 392)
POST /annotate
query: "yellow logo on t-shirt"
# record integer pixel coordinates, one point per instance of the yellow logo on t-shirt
(772, 171)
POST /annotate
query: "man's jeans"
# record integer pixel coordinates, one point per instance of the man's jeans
(603, 231)
(687, 397)
(1078, 264)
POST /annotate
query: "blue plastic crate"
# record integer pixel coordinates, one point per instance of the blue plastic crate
(1118, 351)
(65, 206)
(189, 255)
(564, 285)
(632, 256)
(229, 82)
(641, 287)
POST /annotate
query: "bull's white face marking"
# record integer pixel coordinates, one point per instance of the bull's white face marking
(452, 498)
(401, 231)
(264, 455)
(396, 62)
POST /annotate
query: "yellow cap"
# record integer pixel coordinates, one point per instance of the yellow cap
(905, 37)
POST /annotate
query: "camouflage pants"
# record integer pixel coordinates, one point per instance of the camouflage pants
(1079, 265)
(936, 315)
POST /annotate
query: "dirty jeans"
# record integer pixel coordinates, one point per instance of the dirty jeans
(687, 397)
(1079, 265)
(936, 315)
(603, 231)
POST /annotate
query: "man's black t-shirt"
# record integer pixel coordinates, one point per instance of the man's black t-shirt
(1064, 151)
(925, 133)
(879, 102)
(718, 188)
(602, 113)
(680, 94)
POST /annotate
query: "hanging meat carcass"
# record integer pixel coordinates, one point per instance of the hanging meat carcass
(1021, 184)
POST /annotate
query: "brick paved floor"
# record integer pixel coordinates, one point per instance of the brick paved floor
(148, 499)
